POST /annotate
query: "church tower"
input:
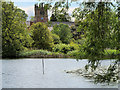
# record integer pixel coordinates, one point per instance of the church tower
(41, 14)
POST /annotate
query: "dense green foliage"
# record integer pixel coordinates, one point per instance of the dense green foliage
(14, 32)
(41, 35)
(41, 54)
(108, 54)
(116, 35)
(99, 22)
(34, 52)
(63, 31)
(75, 32)
(60, 14)
(65, 48)
(56, 39)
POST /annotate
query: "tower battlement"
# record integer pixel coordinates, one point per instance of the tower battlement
(41, 14)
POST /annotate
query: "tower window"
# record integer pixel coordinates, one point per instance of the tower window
(42, 12)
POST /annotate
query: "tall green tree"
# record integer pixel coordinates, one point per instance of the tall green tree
(117, 33)
(42, 36)
(63, 31)
(60, 11)
(14, 32)
(99, 25)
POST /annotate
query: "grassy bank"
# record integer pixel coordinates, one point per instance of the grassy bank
(41, 54)
(109, 53)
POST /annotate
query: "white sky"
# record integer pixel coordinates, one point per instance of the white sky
(28, 7)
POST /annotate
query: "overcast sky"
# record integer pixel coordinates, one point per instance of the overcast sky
(28, 7)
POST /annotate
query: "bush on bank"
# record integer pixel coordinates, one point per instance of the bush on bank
(109, 53)
(41, 54)
(65, 48)
(56, 39)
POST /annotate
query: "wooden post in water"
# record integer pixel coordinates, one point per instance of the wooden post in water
(43, 65)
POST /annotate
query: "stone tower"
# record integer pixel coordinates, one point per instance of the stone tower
(41, 14)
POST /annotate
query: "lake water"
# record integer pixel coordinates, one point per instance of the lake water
(27, 73)
(0, 74)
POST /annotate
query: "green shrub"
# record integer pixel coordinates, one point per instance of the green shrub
(63, 48)
(34, 52)
(73, 28)
(77, 54)
(41, 54)
(42, 36)
(74, 45)
(56, 39)
(111, 52)
(63, 31)
(81, 53)
(73, 53)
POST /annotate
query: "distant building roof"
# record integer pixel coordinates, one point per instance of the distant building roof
(68, 23)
